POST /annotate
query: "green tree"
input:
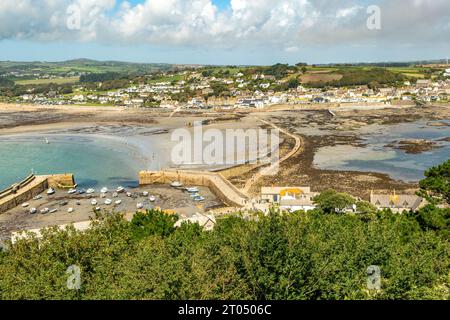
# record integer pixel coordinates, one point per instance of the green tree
(331, 201)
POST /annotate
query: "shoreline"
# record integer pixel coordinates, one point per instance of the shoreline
(319, 123)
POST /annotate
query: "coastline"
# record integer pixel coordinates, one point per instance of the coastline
(322, 130)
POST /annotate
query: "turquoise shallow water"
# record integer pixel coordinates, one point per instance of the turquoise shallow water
(95, 161)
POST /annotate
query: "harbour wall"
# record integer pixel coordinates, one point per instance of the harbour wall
(221, 187)
(30, 187)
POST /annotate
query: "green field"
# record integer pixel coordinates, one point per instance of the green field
(47, 81)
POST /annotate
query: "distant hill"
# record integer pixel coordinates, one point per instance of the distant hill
(81, 66)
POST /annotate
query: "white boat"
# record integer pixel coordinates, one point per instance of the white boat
(72, 191)
(70, 210)
(120, 189)
(53, 211)
(90, 191)
(33, 211)
(192, 190)
(97, 208)
(199, 198)
(108, 202)
(104, 190)
(195, 195)
(118, 202)
(152, 198)
(38, 197)
(115, 195)
(46, 141)
(26, 204)
(94, 202)
(45, 210)
(129, 194)
(51, 191)
(139, 206)
(176, 184)
(145, 194)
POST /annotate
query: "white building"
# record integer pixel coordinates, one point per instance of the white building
(289, 198)
(207, 222)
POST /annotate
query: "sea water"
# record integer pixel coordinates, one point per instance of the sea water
(95, 161)
(375, 156)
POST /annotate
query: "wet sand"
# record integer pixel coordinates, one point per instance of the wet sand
(318, 128)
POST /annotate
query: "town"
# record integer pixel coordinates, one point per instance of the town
(229, 88)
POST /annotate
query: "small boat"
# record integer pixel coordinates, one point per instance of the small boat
(118, 202)
(129, 194)
(51, 191)
(103, 195)
(108, 202)
(90, 191)
(120, 189)
(139, 206)
(152, 198)
(26, 204)
(94, 202)
(195, 195)
(199, 198)
(72, 191)
(38, 197)
(145, 194)
(53, 211)
(97, 208)
(45, 211)
(64, 203)
(192, 190)
(176, 184)
(82, 191)
(104, 190)
(33, 211)
(70, 210)
(115, 195)
(46, 141)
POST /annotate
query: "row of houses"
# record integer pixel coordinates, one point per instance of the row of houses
(293, 199)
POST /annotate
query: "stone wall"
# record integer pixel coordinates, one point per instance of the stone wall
(35, 187)
(220, 186)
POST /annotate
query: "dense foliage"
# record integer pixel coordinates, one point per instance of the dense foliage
(100, 77)
(355, 77)
(323, 254)
(437, 182)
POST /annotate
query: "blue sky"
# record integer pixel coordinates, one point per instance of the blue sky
(225, 31)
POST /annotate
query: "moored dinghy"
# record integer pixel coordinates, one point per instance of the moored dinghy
(51, 191)
(152, 198)
(120, 189)
(94, 202)
(104, 190)
(176, 184)
(33, 211)
(108, 202)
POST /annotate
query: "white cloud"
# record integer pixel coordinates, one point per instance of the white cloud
(285, 24)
